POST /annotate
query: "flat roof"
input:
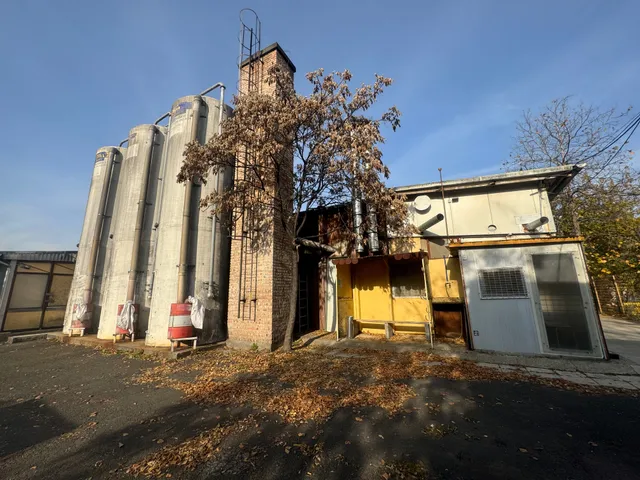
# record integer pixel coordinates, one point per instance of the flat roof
(555, 179)
(47, 256)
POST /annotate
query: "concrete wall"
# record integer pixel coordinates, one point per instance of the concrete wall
(516, 325)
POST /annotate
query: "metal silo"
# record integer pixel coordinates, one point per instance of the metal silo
(183, 247)
(83, 307)
(131, 229)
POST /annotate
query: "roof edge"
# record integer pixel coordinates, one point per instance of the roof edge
(565, 172)
(266, 51)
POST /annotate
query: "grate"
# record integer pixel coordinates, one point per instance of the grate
(502, 283)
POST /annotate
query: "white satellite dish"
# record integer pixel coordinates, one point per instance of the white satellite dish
(422, 203)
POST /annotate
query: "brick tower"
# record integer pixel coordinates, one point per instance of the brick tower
(259, 281)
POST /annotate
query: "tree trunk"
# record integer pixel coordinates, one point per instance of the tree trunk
(575, 221)
(293, 302)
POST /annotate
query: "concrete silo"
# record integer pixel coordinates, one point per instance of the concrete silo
(85, 297)
(190, 241)
(131, 228)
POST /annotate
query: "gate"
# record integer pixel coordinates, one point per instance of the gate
(38, 293)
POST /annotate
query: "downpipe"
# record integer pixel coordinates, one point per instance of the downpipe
(186, 211)
(214, 219)
(142, 204)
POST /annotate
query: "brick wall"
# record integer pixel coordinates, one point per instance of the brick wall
(259, 281)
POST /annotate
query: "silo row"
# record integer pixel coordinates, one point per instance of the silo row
(145, 240)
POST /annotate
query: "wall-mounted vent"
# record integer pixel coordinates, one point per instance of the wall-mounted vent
(502, 283)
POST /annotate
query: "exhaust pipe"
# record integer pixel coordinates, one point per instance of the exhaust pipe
(357, 220)
(535, 224)
(431, 222)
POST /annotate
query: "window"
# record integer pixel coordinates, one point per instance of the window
(407, 279)
(502, 283)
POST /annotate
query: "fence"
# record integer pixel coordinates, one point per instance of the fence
(616, 297)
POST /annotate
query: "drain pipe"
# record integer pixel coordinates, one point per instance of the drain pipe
(97, 232)
(142, 204)
(157, 212)
(219, 186)
(186, 211)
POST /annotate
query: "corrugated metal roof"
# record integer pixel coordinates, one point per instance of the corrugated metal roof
(555, 178)
(63, 256)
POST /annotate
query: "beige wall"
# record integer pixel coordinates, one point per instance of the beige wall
(472, 213)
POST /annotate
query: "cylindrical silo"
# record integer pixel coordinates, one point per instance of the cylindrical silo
(85, 295)
(128, 245)
(195, 235)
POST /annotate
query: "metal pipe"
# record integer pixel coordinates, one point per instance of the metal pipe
(142, 204)
(212, 87)
(214, 218)
(444, 205)
(156, 217)
(535, 224)
(431, 222)
(372, 218)
(357, 220)
(168, 114)
(186, 211)
(97, 231)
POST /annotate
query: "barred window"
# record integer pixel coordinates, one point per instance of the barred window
(407, 279)
(502, 283)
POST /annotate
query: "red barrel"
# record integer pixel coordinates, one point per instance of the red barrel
(180, 321)
(136, 309)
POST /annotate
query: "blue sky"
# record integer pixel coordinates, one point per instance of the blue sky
(76, 75)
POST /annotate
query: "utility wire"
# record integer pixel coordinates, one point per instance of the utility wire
(631, 125)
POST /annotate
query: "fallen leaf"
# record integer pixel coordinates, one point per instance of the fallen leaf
(523, 450)
(593, 444)
(569, 435)
(358, 419)
(160, 441)
(93, 414)
(120, 444)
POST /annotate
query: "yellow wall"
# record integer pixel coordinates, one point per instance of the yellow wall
(345, 298)
(438, 287)
(372, 300)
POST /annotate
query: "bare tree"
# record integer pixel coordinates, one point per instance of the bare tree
(568, 133)
(292, 153)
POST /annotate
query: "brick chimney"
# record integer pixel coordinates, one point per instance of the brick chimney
(259, 281)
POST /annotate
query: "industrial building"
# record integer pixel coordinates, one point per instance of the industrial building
(486, 265)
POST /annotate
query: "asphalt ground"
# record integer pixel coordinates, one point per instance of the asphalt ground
(69, 412)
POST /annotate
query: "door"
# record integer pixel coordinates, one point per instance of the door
(563, 306)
